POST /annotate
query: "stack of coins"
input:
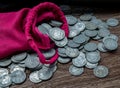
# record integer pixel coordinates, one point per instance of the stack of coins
(78, 48)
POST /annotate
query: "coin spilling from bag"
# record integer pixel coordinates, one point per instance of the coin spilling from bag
(77, 49)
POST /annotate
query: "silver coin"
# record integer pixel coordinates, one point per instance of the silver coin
(71, 20)
(75, 71)
(72, 52)
(79, 61)
(45, 74)
(63, 60)
(112, 36)
(101, 47)
(73, 32)
(51, 67)
(85, 17)
(103, 32)
(57, 33)
(101, 71)
(42, 29)
(5, 81)
(46, 25)
(15, 68)
(3, 71)
(34, 77)
(91, 65)
(79, 39)
(110, 44)
(62, 52)
(18, 76)
(90, 46)
(112, 22)
(72, 44)
(32, 62)
(55, 23)
(93, 57)
(80, 26)
(19, 57)
(81, 47)
(5, 62)
(90, 33)
(48, 53)
(90, 26)
(102, 25)
(96, 21)
(61, 43)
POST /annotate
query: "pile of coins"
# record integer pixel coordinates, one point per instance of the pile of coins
(77, 49)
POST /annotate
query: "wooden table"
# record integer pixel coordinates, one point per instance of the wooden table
(62, 78)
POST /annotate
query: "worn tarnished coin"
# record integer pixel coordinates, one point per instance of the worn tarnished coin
(32, 62)
(103, 32)
(61, 43)
(90, 33)
(45, 74)
(90, 26)
(3, 71)
(72, 52)
(91, 65)
(85, 17)
(5, 81)
(63, 60)
(79, 39)
(97, 37)
(80, 26)
(42, 29)
(101, 47)
(93, 57)
(112, 36)
(18, 76)
(34, 77)
(49, 53)
(57, 33)
(112, 22)
(75, 71)
(15, 68)
(47, 26)
(19, 57)
(90, 46)
(62, 52)
(101, 71)
(5, 62)
(110, 44)
(79, 61)
(73, 32)
(72, 44)
(55, 23)
(102, 25)
(71, 20)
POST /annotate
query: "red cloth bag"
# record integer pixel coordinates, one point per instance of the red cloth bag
(18, 30)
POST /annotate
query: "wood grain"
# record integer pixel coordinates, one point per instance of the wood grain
(62, 78)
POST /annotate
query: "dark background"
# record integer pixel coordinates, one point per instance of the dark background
(13, 5)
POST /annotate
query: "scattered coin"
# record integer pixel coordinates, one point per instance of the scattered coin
(5, 62)
(62, 43)
(55, 23)
(57, 33)
(90, 33)
(63, 60)
(91, 65)
(18, 77)
(75, 71)
(85, 17)
(49, 53)
(71, 20)
(103, 32)
(101, 47)
(72, 52)
(101, 71)
(112, 22)
(34, 77)
(3, 71)
(110, 44)
(90, 46)
(72, 44)
(90, 26)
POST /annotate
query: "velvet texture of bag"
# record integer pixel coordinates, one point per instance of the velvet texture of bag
(18, 30)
